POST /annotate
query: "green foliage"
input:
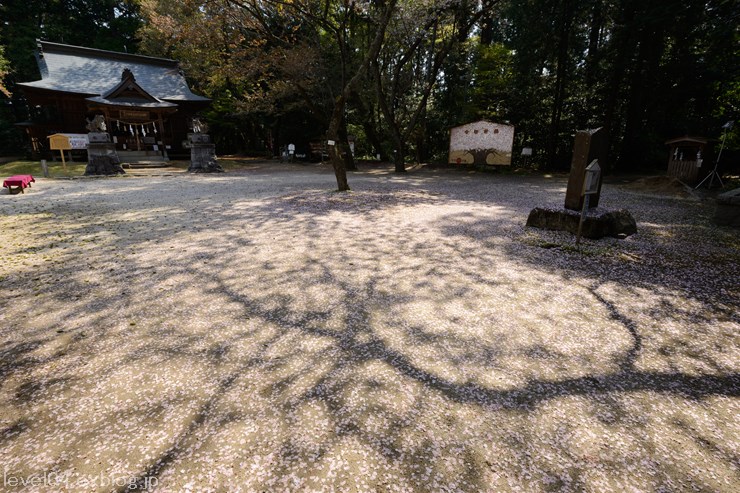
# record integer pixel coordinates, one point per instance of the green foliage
(10, 140)
(726, 93)
(4, 70)
(493, 80)
(56, 169)
(10, 137)
(104, 24)
(646, 71)
(258, 66)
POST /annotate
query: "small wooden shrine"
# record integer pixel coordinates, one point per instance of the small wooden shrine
(685, 158)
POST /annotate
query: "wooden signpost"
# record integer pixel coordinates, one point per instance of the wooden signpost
(591, 186)
(67, 142)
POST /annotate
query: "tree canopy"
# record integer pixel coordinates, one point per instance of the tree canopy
(105, 24)
(397, 74)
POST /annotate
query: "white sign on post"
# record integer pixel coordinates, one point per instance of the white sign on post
(590, 187)
(591, 180)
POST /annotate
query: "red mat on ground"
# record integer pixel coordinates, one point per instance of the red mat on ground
(22, 181)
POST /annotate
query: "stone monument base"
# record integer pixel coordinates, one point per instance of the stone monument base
(598, 223)
(103, 159)
(727, 212)
(203, 159)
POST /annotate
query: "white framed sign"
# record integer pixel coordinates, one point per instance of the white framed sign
(591, 180)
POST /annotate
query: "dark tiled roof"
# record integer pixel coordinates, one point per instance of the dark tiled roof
(132, 102)
(93, 72)
(129, 93)
(688, 139)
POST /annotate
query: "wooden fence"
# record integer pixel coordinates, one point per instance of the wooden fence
(686, 171)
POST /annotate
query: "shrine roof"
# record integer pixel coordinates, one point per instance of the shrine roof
(687, 139)
(75, 69)
(131, 102)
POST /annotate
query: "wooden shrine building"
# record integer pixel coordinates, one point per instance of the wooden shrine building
(685, 158)
(146, 101)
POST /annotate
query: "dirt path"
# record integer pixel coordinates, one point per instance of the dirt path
(254, 332)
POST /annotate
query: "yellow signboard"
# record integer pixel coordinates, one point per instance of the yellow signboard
(65, 142)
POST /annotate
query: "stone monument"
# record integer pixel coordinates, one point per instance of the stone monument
(580, 215)
(102, 158)
(202, 152)
(589, 145)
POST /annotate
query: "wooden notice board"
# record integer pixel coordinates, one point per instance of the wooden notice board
(67, 142)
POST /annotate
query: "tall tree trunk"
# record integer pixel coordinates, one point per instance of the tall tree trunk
(594, 39)
(623, 39)
(371, 132)
(349, 161)
(276, 136)
(421, 143)
(337, 115)
(641, 91)
(486, 29)
(340, 172)
(366, 115)
(399, 156)
(565, 20)
(390, 117)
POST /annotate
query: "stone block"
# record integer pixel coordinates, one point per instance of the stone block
(98, 137)
(598, 223)
(103, 159)
(104, 165)
(203, 159)
(727, 212)
(199, 138)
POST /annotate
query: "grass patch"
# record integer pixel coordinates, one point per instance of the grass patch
(56, 169)
(230, 163)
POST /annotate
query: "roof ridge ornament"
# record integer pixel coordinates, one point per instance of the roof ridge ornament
(127, 74)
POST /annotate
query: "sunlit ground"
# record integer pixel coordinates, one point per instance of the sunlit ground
(253, 331)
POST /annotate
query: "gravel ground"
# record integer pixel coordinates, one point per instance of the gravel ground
(255, 332)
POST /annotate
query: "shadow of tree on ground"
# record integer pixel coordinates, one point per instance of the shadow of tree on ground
(401, 338)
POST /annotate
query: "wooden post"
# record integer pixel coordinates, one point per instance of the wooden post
(64, 164)
(161, 135)
(106, 117)
(583, 217)
(136, 134)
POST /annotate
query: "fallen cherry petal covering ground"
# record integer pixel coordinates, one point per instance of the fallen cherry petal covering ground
(255, 332)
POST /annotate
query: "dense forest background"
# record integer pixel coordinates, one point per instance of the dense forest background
(397, 74)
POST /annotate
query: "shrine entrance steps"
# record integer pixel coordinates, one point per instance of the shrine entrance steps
(142, 159)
